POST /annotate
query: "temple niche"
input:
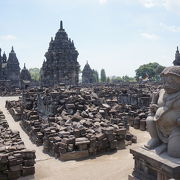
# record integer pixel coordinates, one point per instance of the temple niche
(87, 74)
(9, 69)
(25, 78)
(61, 64)
(176, 62)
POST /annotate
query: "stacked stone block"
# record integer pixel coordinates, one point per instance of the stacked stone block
(15, 159)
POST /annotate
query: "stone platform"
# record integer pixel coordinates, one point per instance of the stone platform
(150, 166)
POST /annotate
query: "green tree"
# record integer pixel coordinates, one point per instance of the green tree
(35, 73)
(103, 75)
(152, 70)
(128, 79)
(95, 76)
(108, 80)
(123, 79)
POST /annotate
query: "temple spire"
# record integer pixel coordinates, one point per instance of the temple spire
(61, 25)
(177, 53)
(176, 62)
(24, 65)
(12, 49)
(4, 57)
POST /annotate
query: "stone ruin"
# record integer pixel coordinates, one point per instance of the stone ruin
(11, 78)
(87, 75)
(9, 68)
(75, 122)
(61, 65)
(25, 78)
(7, 90)
(15, 159)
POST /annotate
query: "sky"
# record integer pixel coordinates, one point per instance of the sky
(117, 35)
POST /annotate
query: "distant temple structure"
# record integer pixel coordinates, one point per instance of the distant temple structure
(87, 74)
(176, 62)
(61, 65)
(9, 68)
(25, 78)
(10, 71)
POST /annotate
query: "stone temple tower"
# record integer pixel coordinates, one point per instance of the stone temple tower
(87, 74)
(61, 64)
(176, 62)
(13, 69)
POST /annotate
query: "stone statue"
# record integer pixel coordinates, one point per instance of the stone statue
(163, 122)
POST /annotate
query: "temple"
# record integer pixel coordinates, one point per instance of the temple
(25, 78)
(9, 68)
(176, 62)
(61, 65)
(87, 74)
(10, 74)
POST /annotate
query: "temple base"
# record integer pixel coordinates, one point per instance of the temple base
(150, 166)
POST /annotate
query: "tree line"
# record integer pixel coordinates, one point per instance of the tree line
(150, 71)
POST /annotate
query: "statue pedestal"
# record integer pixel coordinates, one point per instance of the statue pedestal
(150, 166)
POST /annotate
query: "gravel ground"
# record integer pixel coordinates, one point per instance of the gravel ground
(112, 166)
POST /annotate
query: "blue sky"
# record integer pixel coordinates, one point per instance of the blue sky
(117, 35)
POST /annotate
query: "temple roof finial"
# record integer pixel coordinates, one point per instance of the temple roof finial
(12, 49)
(61, 25)
(24, 65)
(177, 48)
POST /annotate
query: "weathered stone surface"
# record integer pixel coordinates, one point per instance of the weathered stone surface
(9, 69)
(150, 166)
(163, 122)
(61, 64)
(25, 78)
(14, 157)
(87, 74)
(57, 117)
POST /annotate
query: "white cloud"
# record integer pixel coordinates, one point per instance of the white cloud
(170, 28)
(102, 1)
(149, 3)
(150, 36)
(8, 37)
(172, 5)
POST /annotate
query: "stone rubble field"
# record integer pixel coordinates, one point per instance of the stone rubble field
(15, 159)
(80, 123)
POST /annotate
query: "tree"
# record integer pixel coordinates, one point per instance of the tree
(35, 73)
(125, 78)
(128, 79)
(108, 80)
(95, 76)
(103, 75)
(150, 70)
